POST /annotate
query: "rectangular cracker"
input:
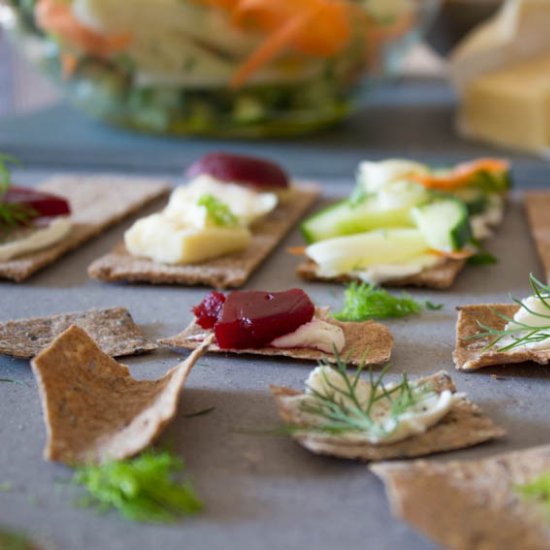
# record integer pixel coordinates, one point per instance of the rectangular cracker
(464, 426)
(441, 276)
(471, 505)
(469, 354)
(96, 203)
(537, 204)
(113, 329)
(93, 409)
(228, 271)
(368, 343)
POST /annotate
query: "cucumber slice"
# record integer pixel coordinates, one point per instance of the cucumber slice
(444, 223)
(346, 218)
(492, 182)
(356, 252)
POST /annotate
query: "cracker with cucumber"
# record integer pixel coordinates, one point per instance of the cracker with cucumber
(407, 223)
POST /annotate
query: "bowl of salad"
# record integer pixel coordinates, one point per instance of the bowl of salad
(233, 68)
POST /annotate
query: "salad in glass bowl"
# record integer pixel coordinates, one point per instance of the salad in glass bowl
(244, 68)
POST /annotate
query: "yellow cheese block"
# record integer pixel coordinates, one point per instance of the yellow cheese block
(510, 107)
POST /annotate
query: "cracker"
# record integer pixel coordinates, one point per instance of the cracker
(113, 329)
(464, 426)
(538, 214)
(228, 271)
(470, 355)
(369, 343)
(96, 203)
(441, 276)
(471, 505)
(93, 409)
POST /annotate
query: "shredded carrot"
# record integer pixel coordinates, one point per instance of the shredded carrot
(457, 255)
(297, 250)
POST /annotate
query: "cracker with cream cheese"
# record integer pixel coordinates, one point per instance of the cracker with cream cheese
(228, 271)
(463, 426)
(93, 409)
(471, 504)
(470, 354)
(537, 204)
(113, 330)
(97, 202)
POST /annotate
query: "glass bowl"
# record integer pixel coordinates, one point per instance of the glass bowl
(230, 68)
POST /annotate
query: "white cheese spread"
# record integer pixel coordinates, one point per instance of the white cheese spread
(534, 314)
(317, 334)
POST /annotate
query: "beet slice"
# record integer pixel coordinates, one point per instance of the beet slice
(209, 311)
(244, 170)
(253, 319)
(45, 205)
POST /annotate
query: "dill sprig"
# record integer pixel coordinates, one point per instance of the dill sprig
(537, 490)
(363, 301)
(5, 174)
(519, 333)
(141, 489)
(218, 211)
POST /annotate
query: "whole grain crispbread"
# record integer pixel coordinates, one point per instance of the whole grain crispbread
(537, 204)
(441, 276)
(464, 426)
(112, 329)
(471, 505)
(96, 203)
(469, 354)
(93, 409)
(229, 271)
(368, 343)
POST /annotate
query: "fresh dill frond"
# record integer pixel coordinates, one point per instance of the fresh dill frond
(537, 491)
(141, 489)
(518, 334)
(5, 174)
(218, 211)
(363, 301)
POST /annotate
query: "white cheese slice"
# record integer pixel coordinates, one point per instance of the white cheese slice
(317, 334)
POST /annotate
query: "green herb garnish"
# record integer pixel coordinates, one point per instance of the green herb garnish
(363, 301)
(482, 256)
(5, 174)
(519, 333)
(218, 211)
(202, 412)
(141, 489)
(537, 491)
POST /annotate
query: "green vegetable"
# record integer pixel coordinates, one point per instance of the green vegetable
(365, 301)
(141, 489)
(483, 257)
(537, 490)
(218, 211)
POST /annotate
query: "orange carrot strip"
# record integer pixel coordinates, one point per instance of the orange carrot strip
(69, 63)
(458, 255)
(297, 250)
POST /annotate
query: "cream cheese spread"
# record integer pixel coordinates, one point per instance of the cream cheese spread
(534, 314)
(317, 334)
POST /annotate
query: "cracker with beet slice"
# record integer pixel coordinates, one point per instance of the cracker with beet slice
(93, 409)
(228, 271)
(97, 202)
(463, 426)
(113, 330)
(537, 204)
(471, 504)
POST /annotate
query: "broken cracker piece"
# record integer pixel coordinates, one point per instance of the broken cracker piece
(471, 505)
(464, 425)
(229, 271)
(96, 203)
(439, 277)
(369, 343)
(93, 409)
(112, 329)
(537, 204)
(469, 354)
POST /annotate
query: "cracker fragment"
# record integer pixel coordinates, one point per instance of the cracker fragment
(93, 409)
(113, 329)
(96, 203)
(368, 343)
(464, 426)
(471, 505)
(439, 277)
(537, 204)
(469, 354)
(228, 271)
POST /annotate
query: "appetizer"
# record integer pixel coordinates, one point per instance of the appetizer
(281, 324)
(93, 409)
(406, 223)
(537, 205)
(346, 416)
(215, 230)
(490, 504)
(502, 334)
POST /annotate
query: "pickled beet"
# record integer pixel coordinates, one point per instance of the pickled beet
(251, 171)
(253, 319)
(209, 310)
(45, 205)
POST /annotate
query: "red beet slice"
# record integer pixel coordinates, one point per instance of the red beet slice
(253, 319)
(209, 311)
(251, 171)
(45, 205)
